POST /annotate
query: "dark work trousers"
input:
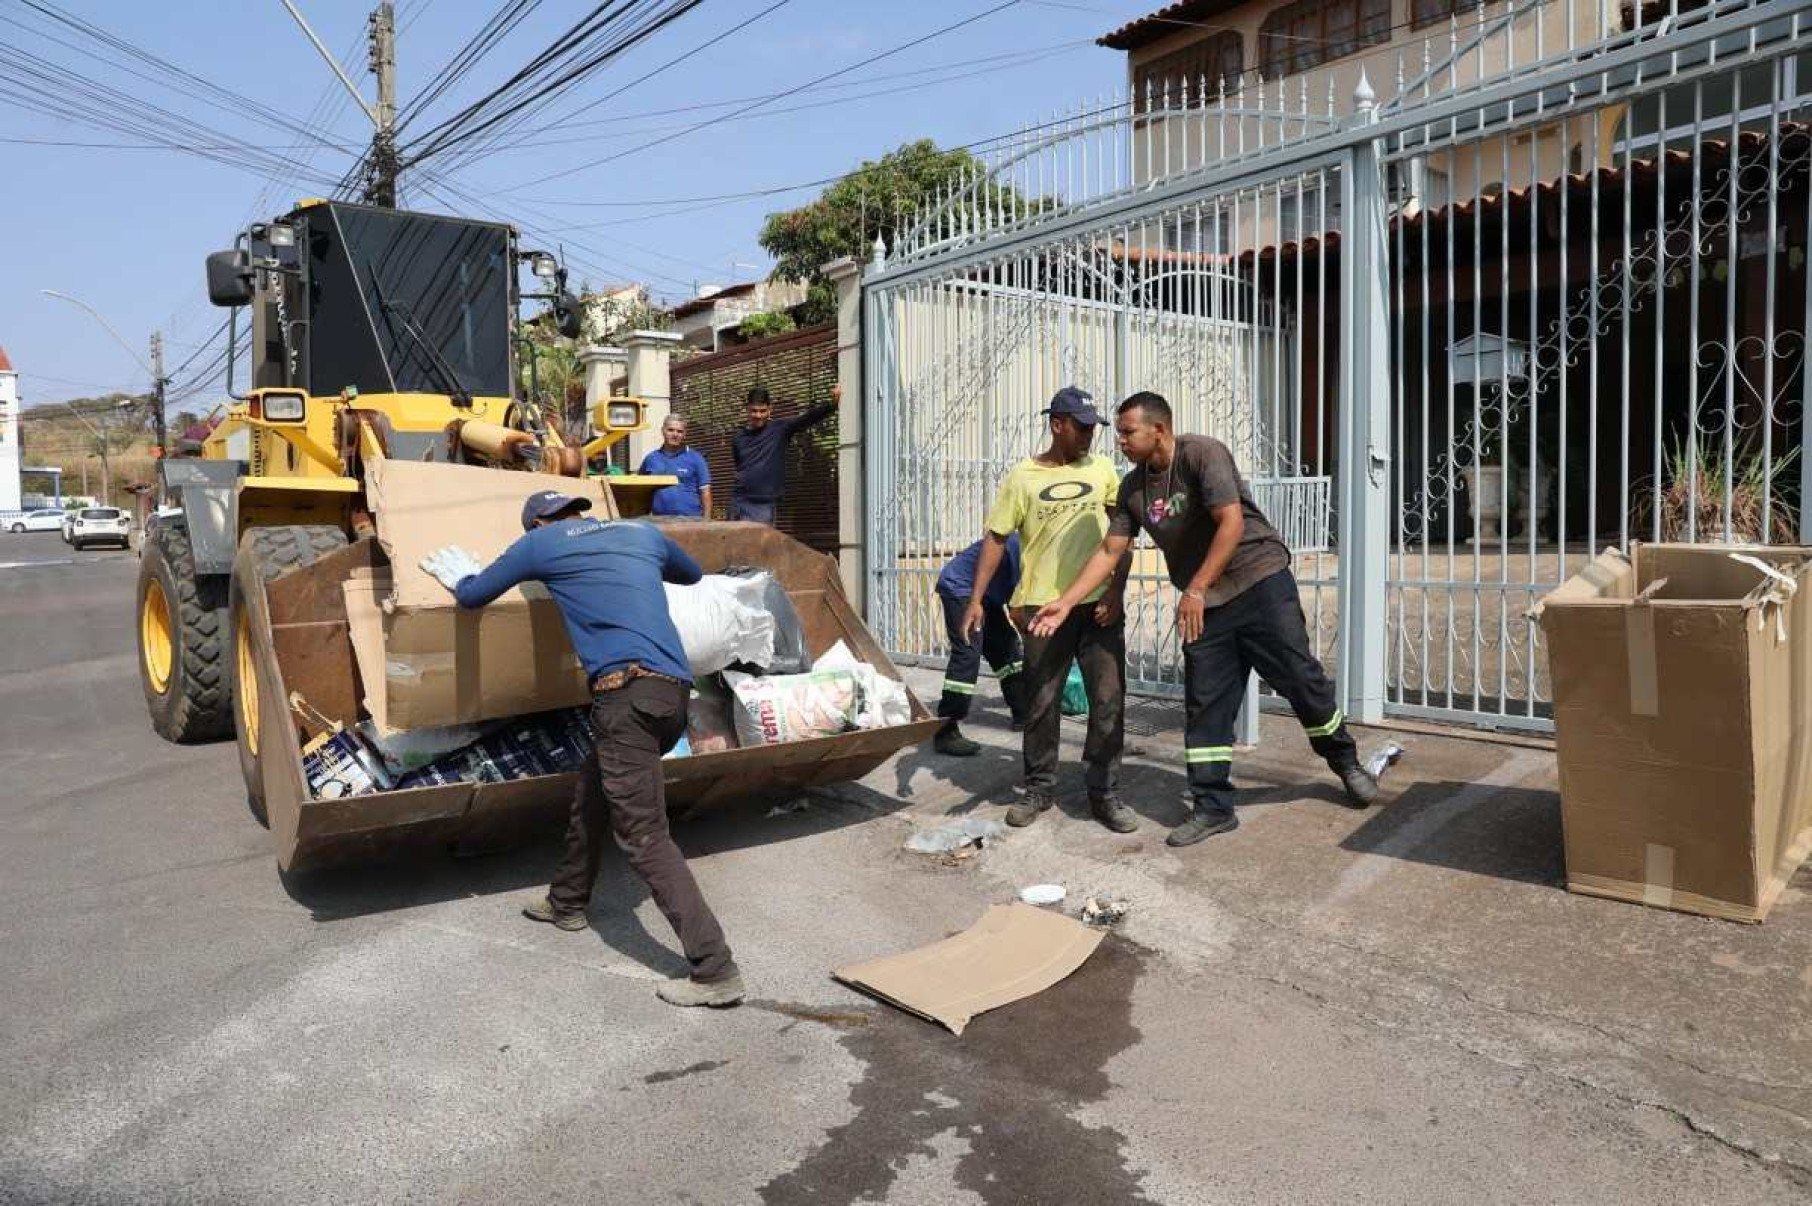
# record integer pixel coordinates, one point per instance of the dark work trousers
(999, 645)
(1261, 629)
(1101, 652)
(621, 790)
(753, 510)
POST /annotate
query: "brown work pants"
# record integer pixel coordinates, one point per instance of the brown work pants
(621, 788)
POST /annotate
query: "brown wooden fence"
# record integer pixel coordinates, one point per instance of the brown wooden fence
(798, 369)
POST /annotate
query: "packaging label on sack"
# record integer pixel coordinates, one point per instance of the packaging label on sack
(793, 707)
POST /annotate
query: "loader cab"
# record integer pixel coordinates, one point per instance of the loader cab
(381, 301)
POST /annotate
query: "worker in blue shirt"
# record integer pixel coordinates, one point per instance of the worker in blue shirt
(692, 495)
(999, 644)
(759, 450)
(606, 578)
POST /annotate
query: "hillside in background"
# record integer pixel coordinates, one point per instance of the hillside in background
(119, 425)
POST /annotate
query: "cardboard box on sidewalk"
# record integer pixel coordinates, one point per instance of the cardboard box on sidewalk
(1682, 700)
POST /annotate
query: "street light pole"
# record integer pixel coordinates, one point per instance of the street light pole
(155, 369)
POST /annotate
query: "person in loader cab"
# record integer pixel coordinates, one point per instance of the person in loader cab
(759, 450)
(606, 578)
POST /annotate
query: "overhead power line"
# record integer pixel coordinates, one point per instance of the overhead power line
(812, 83)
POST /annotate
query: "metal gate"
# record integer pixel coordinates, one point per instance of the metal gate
(1550, 294)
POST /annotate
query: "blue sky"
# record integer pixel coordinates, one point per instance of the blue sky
(126, 230)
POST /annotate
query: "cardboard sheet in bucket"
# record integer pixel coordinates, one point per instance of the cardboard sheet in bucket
(435, 664)
(1013, 952)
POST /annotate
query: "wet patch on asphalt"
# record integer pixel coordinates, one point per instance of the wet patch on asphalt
(1008, 1087)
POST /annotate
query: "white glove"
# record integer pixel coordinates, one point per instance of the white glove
(450, 565)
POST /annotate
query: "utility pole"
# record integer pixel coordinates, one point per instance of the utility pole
(158, 382)
(380, 185)
(384, 164)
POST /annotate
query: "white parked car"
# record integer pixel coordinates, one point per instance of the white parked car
(101, 525)
(37, 521)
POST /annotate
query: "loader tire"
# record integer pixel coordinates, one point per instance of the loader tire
(264, 553)
(182, 626)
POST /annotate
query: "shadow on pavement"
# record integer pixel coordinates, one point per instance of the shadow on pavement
(1506, 833)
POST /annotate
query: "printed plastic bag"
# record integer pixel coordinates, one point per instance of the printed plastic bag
(779, 708)
(716, 628)
(883, 700)
(759, 589)
(1075, 693)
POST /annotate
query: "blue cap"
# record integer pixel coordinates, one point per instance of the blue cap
(544, 503)
(1074, 404)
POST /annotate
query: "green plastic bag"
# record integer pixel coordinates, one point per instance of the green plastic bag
(1075, 695)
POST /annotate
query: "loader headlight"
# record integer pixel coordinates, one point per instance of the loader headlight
(544, 265)
(282, 234)
(284, 408)
(617, 415)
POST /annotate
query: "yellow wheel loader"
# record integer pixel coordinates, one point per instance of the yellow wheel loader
(376, 334)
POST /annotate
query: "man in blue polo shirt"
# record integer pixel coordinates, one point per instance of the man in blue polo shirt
(692, 495)
(999, 644)
(606, 578)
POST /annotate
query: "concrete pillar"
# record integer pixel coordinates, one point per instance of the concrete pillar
(650, 379)
(852, 501)
(601, 365)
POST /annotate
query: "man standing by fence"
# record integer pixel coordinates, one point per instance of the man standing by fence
(759, 450)
(1239, 610)
(1059, 503)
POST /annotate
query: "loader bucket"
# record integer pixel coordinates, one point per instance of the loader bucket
(301, 645)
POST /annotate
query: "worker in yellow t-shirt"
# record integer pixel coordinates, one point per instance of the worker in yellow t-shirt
(1059, 503)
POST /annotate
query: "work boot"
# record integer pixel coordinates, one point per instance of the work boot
(1203, 823)
(718, 994)
(1361, 788)
(543, 910)
(1112, 812)
(951, 742)
(1018, 724)
(1025, 810)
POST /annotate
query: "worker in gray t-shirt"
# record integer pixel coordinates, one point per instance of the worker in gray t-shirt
(1237, 611)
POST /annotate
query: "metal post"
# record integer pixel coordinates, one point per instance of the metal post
(1365, 427)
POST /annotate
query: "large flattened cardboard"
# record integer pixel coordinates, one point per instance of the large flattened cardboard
(1013, 952)
(443, 664)
(1680, 717)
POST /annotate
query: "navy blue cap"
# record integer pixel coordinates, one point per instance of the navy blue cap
(545, 503)
(1074, 404)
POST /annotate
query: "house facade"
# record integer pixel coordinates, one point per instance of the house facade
(1218, 79)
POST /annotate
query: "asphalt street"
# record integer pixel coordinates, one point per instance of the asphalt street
(1397, 1006)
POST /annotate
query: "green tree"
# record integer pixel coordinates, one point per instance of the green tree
(768, 322)
(877, 198)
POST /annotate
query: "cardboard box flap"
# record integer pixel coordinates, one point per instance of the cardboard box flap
(421, 507)
(365, 626)
(1014, 951)
(1607, 576)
